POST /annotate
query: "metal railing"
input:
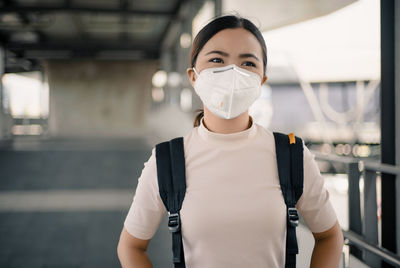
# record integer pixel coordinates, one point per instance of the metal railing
(360, 242)
(362, 235)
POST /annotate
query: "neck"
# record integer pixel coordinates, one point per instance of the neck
(226, 126)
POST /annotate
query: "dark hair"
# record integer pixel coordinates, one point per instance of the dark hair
(212, 28)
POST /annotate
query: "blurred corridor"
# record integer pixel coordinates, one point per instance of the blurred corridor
(88, 88)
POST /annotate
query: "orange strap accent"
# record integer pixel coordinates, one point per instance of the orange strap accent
(292, 139)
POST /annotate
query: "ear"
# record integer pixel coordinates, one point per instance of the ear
(264, 79)
(192, 75)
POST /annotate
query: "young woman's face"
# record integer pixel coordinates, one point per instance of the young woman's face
(230, 46)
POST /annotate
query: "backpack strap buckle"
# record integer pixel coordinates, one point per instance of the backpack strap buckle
(174, 222)
(293, 217)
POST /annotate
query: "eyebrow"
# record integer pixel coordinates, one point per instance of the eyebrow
(244, 55)
(248, 55)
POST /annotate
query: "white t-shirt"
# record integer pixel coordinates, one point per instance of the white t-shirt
(233, 214)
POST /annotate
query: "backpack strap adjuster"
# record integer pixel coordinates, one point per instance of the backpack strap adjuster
(174, 222)
(293, 217)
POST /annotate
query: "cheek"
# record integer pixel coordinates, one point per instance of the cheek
(200, 65)
(260, 72)
(201, 59)
(205, 63)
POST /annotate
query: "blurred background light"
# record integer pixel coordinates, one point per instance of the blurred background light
(27, 94)
(157, 94)
(185, 40)
(159, 78)
(186, 99)
(174, 79)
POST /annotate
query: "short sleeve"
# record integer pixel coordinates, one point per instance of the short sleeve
(314, 205)
(147, 208)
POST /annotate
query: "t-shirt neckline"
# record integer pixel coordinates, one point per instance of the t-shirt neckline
(230, 139)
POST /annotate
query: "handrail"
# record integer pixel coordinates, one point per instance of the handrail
(334, 158)
(365, 164)
(358, 240)
(363, 227)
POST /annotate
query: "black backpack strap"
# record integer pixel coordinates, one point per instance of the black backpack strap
(289, 154)
(171, 177)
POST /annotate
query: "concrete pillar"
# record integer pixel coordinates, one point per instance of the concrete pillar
(99, 98)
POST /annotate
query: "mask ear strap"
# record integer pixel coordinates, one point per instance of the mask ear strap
(195, 71)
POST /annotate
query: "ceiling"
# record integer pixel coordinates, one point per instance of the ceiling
(31, 30)
(272, 14)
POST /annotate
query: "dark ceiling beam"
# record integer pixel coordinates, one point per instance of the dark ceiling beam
(20, 65)
(68, 8)
(19, 69)
(88, 53)
(67, 3)
(123, 4)
(8, 2)
(182, 12)
(22, 16)
(84, 49)
(84, 44)
(168, 30)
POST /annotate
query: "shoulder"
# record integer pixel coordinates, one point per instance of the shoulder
(284, 137)
(188, 140)
(264, 136)
(264, 131)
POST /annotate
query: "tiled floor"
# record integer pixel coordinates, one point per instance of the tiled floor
(62, 203)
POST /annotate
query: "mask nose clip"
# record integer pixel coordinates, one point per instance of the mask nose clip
(224, 70)
(239, 71)
(229, 67)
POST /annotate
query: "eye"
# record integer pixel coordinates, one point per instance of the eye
(216, 60)
(249, 63)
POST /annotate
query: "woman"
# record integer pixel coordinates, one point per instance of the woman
(233, 213)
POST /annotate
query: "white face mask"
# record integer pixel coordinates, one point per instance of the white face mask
(227, 91)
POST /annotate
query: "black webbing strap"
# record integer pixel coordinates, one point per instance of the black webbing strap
(290, 168)
(172, 187)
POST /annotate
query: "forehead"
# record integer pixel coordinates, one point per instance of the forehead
(233, 41)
